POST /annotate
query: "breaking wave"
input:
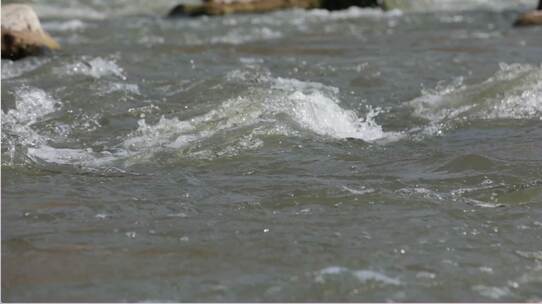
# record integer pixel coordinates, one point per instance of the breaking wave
(280, 107)
(32, 104)
(273, 106)
(95, 67)
(270, 106)
(514, 92)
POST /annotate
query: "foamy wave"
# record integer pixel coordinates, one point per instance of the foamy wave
(100, 9)
(273, 106)
(461, 5)
(31, 104)
(96, 68)
(322, 115)
(363, 276)
(63, 26)
(240, 35)
(280, 107)
(290, 104)
(12, 69)
(353, 13)
(514, 92)
(67, 11)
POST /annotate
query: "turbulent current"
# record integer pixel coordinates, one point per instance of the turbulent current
(356, 155)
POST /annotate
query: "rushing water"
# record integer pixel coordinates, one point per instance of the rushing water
(295, 156)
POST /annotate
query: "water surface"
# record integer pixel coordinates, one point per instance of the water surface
(357, 155)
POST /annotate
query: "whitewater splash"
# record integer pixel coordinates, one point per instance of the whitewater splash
(514, 92)
(273, 106)
(279, 106)
(95, 67)
(32, 104)
(363, 276)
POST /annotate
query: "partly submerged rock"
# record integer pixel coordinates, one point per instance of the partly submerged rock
(22, 34)
(333, 5)
(529, 18)
(224, 7)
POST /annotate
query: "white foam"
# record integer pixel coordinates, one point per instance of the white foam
(361, 191)
(57, 9)
(514, 92)
(364, 276)
(12, 69)
(322, 115)
(310, 106)
(240, 35)
(65, 26)
(461, 5)
(31, 104)
(275, 106)
(352, 13)
(100, 9)
(492, 292)
(132, 88)
(65, 156)
(96, 68)
(369, 275)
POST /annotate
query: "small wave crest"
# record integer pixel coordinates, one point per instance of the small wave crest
(272, 106)
(31, 105)
(11, 69)
(514, 92)
(95, 67)
(279, 106)
(65, 26)
(353, 13)
(363, 276)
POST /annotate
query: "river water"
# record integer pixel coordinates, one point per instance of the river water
(357, 155)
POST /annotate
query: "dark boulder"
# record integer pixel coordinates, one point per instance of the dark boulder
(225, 7)
(333, 5)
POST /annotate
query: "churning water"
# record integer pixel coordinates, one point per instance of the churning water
(356, 155)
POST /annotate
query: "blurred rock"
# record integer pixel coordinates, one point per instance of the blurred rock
(529, 18)
(22, 34)
(333, 5)
(224, 7)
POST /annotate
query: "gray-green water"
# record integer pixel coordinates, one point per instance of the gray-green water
(294, 156)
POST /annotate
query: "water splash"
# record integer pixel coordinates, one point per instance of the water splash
(96, 68)
(288, 107)
(31, 105)
(12, 69)
(363, 276)
(514, 92)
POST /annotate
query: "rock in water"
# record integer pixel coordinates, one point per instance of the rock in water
(224, 7)
(529, 18)
(22, 34)
(333, 5)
